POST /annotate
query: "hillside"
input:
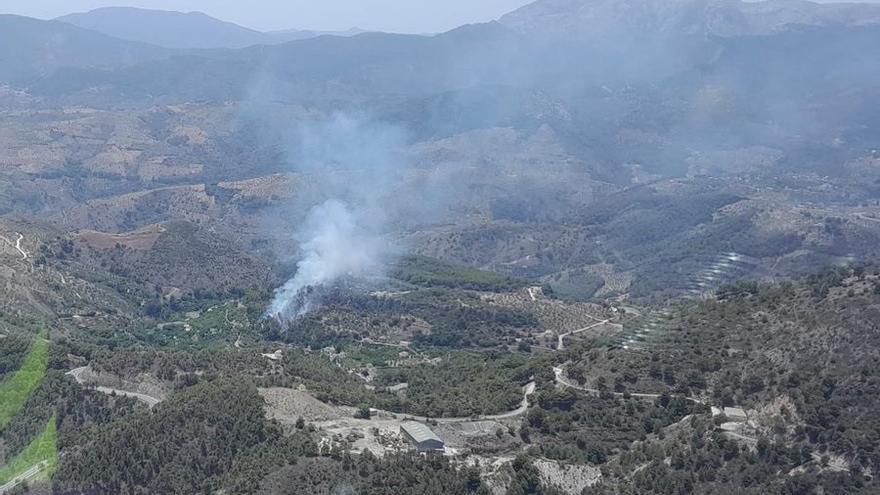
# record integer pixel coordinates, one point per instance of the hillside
(799, 358)
(596, 247)
(594, 19)
(168, 29)
(31, 48)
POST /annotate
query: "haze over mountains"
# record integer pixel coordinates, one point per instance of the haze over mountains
(34, 48)
(191, 30)
(578, 19)
(571, 19)
(647, 91)
(573, 237)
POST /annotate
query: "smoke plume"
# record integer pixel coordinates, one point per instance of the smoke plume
(350, 164)
(335, 247)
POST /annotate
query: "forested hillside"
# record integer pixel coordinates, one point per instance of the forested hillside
(801, 359)
(593, 247)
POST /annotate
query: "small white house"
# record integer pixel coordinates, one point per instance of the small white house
(736, 414)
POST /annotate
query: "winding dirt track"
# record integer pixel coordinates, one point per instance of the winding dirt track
(565, 382)
(528, 390)
(16, 244)
(560, 345)
(24, 254)
(866, 217)
(151, 401)
(146, 399)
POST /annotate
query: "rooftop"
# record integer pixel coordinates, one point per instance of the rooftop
(734, 412)
(419, 432)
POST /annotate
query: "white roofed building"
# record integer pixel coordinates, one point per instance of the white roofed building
(424, 439)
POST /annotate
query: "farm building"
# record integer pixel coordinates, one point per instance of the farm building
(736, 414)
(421, 436)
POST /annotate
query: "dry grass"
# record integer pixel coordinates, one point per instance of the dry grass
(139, 240)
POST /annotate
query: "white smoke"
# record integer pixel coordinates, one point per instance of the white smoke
(335, 247)
(350, 163)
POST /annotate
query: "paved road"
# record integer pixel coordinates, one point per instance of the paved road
(29, 474)
(146, 399)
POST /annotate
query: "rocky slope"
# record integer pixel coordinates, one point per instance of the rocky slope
(588, 19)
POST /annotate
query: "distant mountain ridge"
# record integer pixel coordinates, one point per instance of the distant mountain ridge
(726, 18)
(311, 33)
(183, 30)
(32, 47)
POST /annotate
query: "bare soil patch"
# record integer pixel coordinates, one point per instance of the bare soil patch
(139, 240)
(287, 405)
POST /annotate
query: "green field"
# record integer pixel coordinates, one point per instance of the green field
(430, 272)
(42, 451)
(360, 355)
(217, 326)
(15, 391)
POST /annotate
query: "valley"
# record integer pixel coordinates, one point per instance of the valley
(592, 247)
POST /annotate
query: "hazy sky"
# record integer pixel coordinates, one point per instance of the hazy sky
(411, 16)
(402, 16)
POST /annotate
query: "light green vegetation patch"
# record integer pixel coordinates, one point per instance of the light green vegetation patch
(430, 272)
(461, 384)
(361, 355)
(42, 453)
(218, 326)
(228, 316)
(15, 391)
(576, 285)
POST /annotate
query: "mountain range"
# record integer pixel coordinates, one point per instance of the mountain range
(765, 88)
(560, 19)
(523, 228)
(183, 30)
(590, 19)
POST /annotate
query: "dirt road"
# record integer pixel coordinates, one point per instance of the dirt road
(565, 382)
(146, 399)
(528, 390)
(379, 433)
(524, 406)
(24, 254)
(866, 217)
(16, 244)
(561, 344)
(532, 293)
